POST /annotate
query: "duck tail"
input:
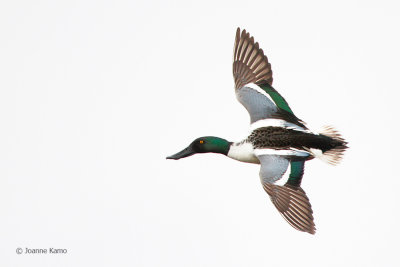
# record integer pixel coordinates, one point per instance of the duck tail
(335, 154)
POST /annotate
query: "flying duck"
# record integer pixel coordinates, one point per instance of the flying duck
(277, 137)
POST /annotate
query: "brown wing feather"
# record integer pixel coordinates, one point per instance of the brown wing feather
(293, 204)
(250, 65)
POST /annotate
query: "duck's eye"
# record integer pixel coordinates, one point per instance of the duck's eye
(201, 142)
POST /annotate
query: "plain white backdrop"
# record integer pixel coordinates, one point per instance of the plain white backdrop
(95, 94)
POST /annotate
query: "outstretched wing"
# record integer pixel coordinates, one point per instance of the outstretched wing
(294, 205)
(290, 200)
(253, 83)
(250, 65)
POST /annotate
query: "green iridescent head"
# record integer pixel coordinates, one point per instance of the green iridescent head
(204, 144)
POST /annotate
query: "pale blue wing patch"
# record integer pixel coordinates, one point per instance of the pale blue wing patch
(257, 103)
(273, 167)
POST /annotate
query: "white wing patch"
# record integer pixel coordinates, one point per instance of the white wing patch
(277, 123)
(281, 152)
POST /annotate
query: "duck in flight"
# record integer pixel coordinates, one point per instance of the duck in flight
(277, 138)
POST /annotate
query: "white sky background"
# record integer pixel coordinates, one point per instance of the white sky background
(95, 94)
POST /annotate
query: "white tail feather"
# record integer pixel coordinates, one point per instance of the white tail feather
(332, 156)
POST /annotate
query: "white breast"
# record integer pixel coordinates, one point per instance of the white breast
(243, 152)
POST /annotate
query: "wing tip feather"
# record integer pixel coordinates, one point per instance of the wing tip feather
(283, 199)
(245, 57)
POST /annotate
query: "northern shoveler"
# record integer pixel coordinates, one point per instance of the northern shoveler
(278, 138)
